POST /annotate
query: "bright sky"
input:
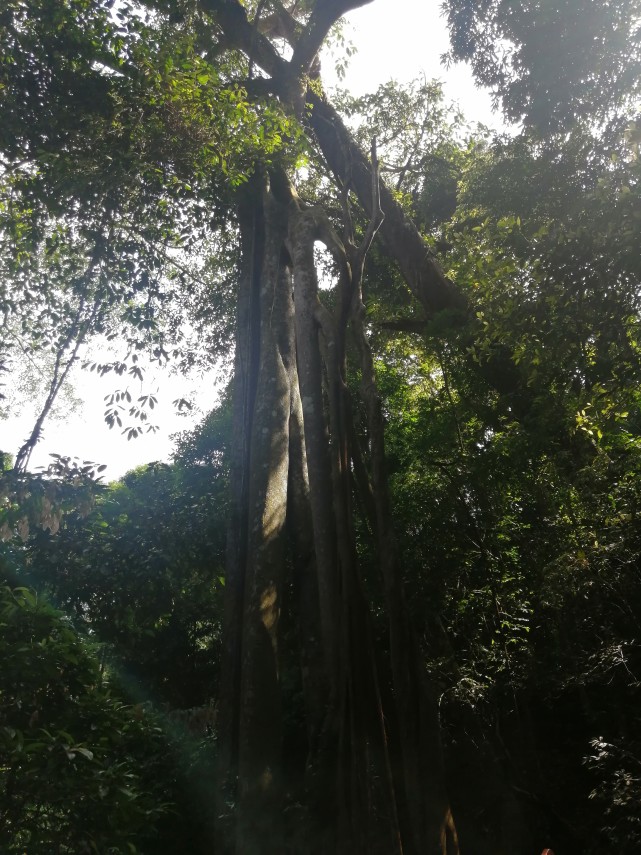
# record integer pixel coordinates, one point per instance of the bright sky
(400, 39)
(404, 39)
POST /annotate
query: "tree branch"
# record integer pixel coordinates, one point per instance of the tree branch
(376, 216)
(323, 18)
(401, 238)
(242, 35)
(78, 332)
(280, 24)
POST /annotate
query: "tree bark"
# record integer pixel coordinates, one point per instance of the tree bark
(251, 717)
(368, 791)
(366, 811)
(292, 471)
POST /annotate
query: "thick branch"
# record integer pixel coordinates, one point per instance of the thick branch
(401, 238)
(403, 242)
(242, 35)
(323, 18)
(280, 25)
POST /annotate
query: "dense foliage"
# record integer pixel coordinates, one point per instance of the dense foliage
(78, 769)
(552, 64)
(529, 594)
(138, 579)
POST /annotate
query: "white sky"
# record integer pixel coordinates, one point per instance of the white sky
(403, 39)
(400, 39)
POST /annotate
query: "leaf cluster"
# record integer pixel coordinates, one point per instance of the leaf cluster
(77, 767)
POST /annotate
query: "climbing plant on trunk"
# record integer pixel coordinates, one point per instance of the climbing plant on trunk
(370, 788)
(373, 776)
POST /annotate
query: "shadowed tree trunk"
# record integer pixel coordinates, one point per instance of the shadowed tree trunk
(373, 776)
(266, 379)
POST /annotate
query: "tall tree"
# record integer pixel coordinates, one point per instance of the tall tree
(370, 775)
(372, 786)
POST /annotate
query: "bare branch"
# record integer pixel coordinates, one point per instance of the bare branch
(377, 216)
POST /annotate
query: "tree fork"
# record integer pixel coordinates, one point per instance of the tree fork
(401, 239)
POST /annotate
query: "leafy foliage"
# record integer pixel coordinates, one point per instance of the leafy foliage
(515, 492)
(142, 571)
(551, 64)
(77, 767)
(121, 146)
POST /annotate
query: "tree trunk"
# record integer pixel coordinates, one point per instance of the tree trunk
(251, 719)
(372, 774)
